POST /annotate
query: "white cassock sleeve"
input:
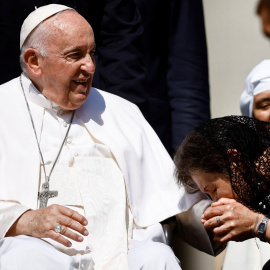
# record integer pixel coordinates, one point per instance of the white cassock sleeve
(191, 230)
(9, 213)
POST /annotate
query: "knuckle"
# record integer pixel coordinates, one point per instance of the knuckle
(54, 209)
(72, 214)
(230, 215)
(233, 224)
(70, 223)
(51, 206)
(52, 235)
(46, 227)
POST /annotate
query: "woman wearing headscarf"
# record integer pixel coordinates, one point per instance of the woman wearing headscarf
(229, 159)
(254, 102)
(255, 99)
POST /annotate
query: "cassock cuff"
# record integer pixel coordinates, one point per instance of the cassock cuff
(9, 213)
(192, 231)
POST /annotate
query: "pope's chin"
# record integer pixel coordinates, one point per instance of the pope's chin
(77, 100)
(79, 97)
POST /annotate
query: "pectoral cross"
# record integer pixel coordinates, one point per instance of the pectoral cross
(46, 194)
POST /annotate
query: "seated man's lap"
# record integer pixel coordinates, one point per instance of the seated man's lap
(25, 252)
(151, 255)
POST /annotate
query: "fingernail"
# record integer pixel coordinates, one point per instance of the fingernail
(69, 244)
(85, 232)
(80, 238)
(85, 222)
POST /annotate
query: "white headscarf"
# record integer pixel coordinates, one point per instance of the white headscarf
(257, 81)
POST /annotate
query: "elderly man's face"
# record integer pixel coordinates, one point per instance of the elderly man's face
(67, 71)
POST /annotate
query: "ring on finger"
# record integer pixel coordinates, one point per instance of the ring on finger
(58, 228)
(218, 219)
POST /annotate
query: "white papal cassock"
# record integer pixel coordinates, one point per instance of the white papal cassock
(112, 169)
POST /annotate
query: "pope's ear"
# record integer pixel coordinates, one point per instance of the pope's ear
(32, 60)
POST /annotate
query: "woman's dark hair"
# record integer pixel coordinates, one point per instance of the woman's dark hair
(196, 153)
(237, 147)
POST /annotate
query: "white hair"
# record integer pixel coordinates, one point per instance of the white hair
(39, 37)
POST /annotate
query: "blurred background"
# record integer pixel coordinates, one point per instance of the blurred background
(235, 45)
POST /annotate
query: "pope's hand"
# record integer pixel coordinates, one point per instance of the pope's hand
(229, 220)
(41, 223)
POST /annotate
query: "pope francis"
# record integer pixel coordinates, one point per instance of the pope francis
(84, 180)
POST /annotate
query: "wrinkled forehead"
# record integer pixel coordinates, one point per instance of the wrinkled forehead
(68, 20)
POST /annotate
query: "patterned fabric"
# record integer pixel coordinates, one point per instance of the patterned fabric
(245, 143)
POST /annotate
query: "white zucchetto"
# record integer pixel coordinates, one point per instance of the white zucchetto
(36, 17)
(257, 82)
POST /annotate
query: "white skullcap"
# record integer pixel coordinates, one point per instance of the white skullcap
(257, 81)
(38, 16)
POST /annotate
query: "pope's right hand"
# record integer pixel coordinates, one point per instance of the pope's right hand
(41, 223)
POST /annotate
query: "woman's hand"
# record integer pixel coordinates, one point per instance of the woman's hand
(229, 220)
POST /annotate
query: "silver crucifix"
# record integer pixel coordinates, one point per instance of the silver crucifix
(46, 194)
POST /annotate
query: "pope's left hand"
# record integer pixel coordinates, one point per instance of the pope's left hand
(229, 220)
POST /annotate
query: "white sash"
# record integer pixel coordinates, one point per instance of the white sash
(96, 185)
(104, 199)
